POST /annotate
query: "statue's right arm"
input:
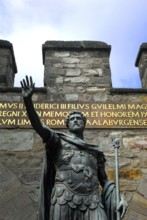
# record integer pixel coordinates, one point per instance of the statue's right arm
(27, 92)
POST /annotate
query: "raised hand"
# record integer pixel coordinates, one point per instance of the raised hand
(28, 86)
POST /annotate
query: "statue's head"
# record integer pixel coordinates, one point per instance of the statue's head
(75, 121)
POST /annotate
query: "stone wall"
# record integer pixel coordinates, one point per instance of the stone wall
(69, 66)
(22, 150)
(8, 66)
(141, 63)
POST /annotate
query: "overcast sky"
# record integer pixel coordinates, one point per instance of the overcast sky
(27, 24)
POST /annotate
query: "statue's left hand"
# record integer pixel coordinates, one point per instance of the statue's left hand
(122, 206)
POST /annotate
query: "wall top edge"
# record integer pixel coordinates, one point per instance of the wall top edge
(111, 90)
(127, 90)
(75, 45)
(19, 90)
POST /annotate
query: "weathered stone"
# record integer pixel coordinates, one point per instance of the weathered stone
(90, 72)
(142, 189)
(73, 72)
(57, 65)
(93, 89)
(81, 54)
(8, 66)
(49, 60)
(80, 89)
(143, 162)
(134, 215)
(15, 203)
(62, 54)
(100, 95)
(130, 173)
(54, 72)
(137, 142)
(101, 80)
(30, 177)
(10, 98)
(144, 170)
(71, 60)
(135, 163)
(126, 173)
(139, 204)
(66, 89)
(93, 72)
(16, 141)
(35, 98)
(71, 97)
(85, 97)
(80, 79)
(129, 154)
(82, 65)
(59, 79)
(69, 65)
(126, 185)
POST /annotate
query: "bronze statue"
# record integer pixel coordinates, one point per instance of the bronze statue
(73, 171)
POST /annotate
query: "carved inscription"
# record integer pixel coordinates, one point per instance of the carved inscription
(99, 115)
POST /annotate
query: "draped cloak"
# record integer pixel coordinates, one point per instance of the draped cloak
(48, 177)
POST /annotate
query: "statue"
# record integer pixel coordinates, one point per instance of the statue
(72, 171)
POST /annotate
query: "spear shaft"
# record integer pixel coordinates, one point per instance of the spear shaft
(116, 147)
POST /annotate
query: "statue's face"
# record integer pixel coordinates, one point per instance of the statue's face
(76, 123)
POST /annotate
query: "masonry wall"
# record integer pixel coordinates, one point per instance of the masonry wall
(22, 150)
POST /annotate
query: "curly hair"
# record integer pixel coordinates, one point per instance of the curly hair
(72, 113)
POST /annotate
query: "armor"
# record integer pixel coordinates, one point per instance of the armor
(76, 186)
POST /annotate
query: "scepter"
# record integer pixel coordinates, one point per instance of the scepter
(116, 144)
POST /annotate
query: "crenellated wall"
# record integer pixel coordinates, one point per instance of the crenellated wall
(74, 72)
(141, 63)
(8, 66)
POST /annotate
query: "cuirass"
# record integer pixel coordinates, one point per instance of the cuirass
(76, 169)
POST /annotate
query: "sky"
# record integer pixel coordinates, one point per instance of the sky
(28, 24)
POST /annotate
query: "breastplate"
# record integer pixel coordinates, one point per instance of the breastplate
(77, 169)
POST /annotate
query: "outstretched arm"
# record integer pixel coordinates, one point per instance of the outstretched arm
(28, 86)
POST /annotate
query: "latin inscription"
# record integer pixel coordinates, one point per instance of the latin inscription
(99, 115)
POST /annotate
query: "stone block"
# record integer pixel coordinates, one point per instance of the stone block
(80, 89)
(142, 189)
(30, 177)
(16, 140)
(15, 203)
(69, 65)
(80, 79)
(71, 60)
(54, 72)
(71, 97)
(62, 54)
(139, 204)
(137, 142)
(133, 215)
(100, 95)
(73, 72)
(59, 79)
(101, 80)
(93, 72)
(66, 89)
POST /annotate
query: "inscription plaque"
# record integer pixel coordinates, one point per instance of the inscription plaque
(99, 115)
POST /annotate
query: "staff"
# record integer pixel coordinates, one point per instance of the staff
(116, 144)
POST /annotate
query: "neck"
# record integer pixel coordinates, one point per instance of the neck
(79, 135)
